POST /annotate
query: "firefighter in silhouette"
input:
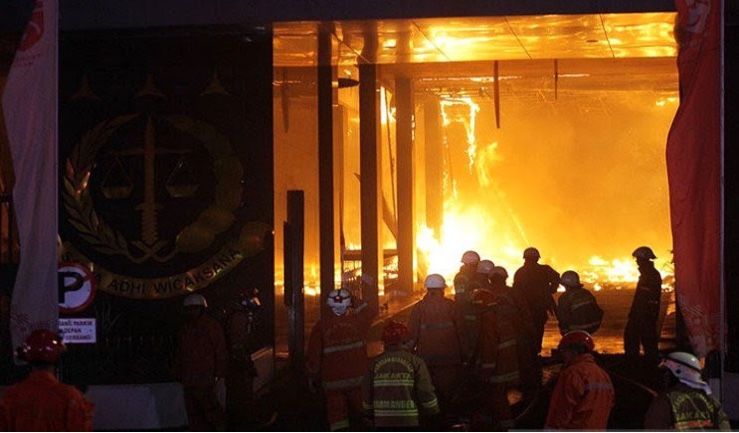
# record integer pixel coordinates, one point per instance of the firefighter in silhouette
(40, 402)
(337, 358)
(583, 396)
(686, 403)
(466, 279)
(495, 363)
(641, 328)
(397, 387)
(201, 366)
(537, 283)
(241, 323)
(469, 323)
(577, 308)
(434, 335)
(512, 307)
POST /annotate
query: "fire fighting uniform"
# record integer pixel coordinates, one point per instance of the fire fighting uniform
(537, 283)
(42, 403)
(241, 370)
(434, 333)
(685, 408)
(397, 388)
(465, 282)
(577, 309)
(497, 364)
(641, 327)
(582, 398)
(512, 307)
(201, 361)
(337, 357)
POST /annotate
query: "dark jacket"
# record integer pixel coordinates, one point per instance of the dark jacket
(538, 283)
(577, 309)
(648, 293)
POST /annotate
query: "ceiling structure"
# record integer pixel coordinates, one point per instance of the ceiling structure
(480, 39)
(455, 56)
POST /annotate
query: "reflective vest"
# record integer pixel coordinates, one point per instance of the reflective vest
(397, 388)
(434, 331)
(337, 350)
(693, 410)
(578, 309)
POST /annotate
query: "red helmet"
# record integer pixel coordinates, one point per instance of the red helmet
(42, 345)
(577, 339)
(394, 333)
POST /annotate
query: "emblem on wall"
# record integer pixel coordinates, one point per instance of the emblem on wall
(155, 200)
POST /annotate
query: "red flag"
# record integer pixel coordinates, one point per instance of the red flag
(694, 172)
(30, 108)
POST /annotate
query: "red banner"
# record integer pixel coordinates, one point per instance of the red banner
(30, 108)
(694, 172)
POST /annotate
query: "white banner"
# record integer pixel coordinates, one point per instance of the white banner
(30, 107)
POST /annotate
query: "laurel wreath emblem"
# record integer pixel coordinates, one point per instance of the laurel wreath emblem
(76, 194)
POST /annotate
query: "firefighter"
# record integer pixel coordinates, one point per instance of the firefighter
(466, 279)
(641, 327)
(469, 326)
(512, 306)
(496, 364)
(240, 326)
(577, 308)
(434, 336)
(537, 283)
(201, 366)
(397, 387)
(482, 274)
(686, 403)
(40, 402)
(498, 277)
(583, 396)
(337, 357)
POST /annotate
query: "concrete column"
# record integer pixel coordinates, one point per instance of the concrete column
(406, 218)
(434, 166)
(325, 164)
(370, 164)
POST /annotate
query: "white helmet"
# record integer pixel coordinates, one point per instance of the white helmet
(645, 253)
(570, 279)
(195, 300)
(687, 369)
(485, 267)
(499, 270)
(434, 281)
(470, 258)
(339, 301)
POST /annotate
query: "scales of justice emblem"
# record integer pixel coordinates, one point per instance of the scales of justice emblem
(155, 199)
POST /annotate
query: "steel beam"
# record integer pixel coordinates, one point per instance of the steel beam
(406, 217)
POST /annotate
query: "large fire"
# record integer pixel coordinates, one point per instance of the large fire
(490, 226)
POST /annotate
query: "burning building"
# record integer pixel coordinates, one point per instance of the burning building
(415, 132)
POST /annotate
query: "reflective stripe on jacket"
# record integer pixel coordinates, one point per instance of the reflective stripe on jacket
(583, 397)
(337, 351)
(497, 348)
(397, 388)
(434, 331)
(577, 309)
(693, 410)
